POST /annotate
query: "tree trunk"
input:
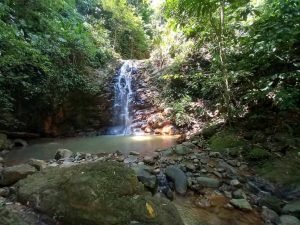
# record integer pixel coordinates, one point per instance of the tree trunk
(222, 61)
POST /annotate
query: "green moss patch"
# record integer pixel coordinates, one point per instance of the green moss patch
(226, 141)
(284, 171)
(257, 154)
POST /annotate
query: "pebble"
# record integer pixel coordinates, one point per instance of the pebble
(235, 183)
(228, 194)
(203, 171)
(219, 175)
(134, 153)
(156, 171)
(238, 194)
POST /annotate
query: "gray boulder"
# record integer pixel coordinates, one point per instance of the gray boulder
(11, 175)
(270, 216)
(292, 208)
(178, 177)
(38, 164)
(289, 220)
(182, 149)
(208, 182)
(95, 193)
(241, 204)
(144, 176)
(63, 154)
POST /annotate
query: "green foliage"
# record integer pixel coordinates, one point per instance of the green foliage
(224, 141)
(50, 51)
(284, 171)
(253, 48)
(257, 154)
(180, 112)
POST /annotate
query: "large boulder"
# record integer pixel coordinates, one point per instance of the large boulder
(292, 208)
(11, 175)
(144, 176)
(178, 177)
(63, 154)
(289, 220)
(95, 193)
(182, 149)
(241, 204)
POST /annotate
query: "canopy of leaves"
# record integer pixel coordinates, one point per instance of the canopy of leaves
(50, 50)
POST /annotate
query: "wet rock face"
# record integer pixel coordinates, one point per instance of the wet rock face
(95, 193)
(147, 117)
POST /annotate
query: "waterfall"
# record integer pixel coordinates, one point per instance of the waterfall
(123, 99)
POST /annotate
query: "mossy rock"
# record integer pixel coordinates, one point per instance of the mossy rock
(226, 141)
(272, 202)
(10, 218)
(4, 142)
(257, 154)
(283, 171)
(93, 194)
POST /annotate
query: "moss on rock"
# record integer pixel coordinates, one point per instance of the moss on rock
(257, 154)
(226, 141)
(96, 193)
(4, 142)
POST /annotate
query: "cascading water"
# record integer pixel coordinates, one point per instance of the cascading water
(123, 99)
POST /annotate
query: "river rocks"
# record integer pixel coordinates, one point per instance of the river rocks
(238, 194)
(270, 216)
(11, 175)
(63, 154)
(134, 153)
(144, 176)
(1, 160)
(292, 208)
(208, 182)
(167, 152)
(38, 164)
(149, 160)
(95, 193)
(241, 204)
(168, 130)
(178, 177)
(182, 149)
(130, 159)
(289, 220)
(235, 183)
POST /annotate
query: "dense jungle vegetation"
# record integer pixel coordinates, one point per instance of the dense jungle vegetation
(51, 51)
(236, 55)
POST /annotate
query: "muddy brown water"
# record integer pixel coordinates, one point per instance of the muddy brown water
(217, 214)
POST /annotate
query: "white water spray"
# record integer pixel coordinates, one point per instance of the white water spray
(123, 99)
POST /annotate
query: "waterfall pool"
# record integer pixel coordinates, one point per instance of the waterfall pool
(46, 148)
